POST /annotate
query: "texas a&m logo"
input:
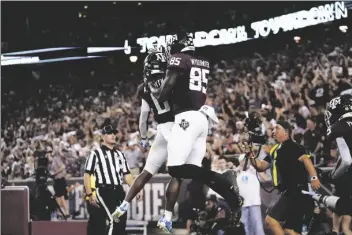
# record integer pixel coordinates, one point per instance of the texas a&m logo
(184, 124)
(334, 102)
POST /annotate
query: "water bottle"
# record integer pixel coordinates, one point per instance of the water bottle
(304, 230)
(53, 216)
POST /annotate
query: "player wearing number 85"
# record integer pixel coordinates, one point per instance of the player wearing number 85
(185, 85)
(154, 73)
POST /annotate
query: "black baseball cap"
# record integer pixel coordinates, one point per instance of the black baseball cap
(212, 197)
(109, 130)
(286, 125)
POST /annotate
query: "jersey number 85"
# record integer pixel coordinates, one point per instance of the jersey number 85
(198, 79)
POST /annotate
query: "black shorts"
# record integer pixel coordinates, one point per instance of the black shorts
(344, 206)
(60, 187)
(291, 210)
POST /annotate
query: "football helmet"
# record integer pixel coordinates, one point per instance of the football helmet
(337, 109)
(180, 43)
(154, 68)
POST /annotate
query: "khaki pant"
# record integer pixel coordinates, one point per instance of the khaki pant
(135, 172)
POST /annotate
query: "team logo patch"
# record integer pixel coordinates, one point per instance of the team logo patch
(184, 124)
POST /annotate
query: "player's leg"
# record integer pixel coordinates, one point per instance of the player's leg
(188, 128)
(184, 132)
(173, 189)
(184, 164)
(156, 157)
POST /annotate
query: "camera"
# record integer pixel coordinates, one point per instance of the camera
(254, 130)
(203, 226)
(41, 172)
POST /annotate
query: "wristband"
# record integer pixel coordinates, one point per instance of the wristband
(313, 178)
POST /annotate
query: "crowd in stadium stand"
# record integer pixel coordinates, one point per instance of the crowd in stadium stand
(64, 118)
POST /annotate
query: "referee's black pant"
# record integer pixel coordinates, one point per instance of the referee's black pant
(109, 198)
(97, 220)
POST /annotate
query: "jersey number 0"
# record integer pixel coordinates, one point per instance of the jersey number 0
(198, 79)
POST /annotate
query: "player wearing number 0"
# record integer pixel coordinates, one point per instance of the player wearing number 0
(185, 85)
(154, 73)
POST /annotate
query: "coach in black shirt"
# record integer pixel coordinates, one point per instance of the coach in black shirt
(110, 168)
(289, 166)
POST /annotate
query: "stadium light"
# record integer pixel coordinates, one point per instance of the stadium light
(133, 58)
(343, 28)
(297, 39)
(85, 7)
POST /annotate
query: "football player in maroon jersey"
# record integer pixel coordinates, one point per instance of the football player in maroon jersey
(185, 86)
(154, 73)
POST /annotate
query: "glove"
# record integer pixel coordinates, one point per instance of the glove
(144, 143)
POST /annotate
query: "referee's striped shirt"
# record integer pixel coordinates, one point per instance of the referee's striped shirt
(108, 166)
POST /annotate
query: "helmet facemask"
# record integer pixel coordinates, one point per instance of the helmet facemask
(155, 80)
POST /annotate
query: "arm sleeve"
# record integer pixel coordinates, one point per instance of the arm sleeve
(300, 151)
(91, 163)
(345, 159)
(143, 119)
(267, 158)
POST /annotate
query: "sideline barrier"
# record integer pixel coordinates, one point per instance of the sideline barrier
(15, 210)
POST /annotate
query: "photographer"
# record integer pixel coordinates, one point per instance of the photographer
(213, 219)
(289, 165)
(58, 171)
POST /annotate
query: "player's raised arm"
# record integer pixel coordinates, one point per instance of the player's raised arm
(168, 84)
(143, 123)
(143, 117)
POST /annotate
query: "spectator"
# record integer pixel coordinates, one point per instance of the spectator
(134, 155)
(58, 171)
(222, 164)
(249, 187)
(312, 137)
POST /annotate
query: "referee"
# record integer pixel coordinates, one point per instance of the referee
(110, 168)
(290, 166)
(96, 214)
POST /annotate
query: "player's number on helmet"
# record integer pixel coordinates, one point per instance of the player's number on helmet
(158, 106)
(198, 79)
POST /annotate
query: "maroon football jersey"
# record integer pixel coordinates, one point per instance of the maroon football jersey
(190, 90)
(162, 110)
